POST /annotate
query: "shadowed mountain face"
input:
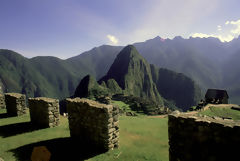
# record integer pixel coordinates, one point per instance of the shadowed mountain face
(176, 87)
(88, 87)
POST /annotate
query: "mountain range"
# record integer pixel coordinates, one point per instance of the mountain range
(208, 61)
(131, 75)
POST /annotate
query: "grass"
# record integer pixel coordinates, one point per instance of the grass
(141, 138)
(122, 105)
(222, 112)
(126, 108)
(11, 142)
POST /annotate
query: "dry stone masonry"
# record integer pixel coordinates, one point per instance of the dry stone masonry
(202, 138)
(15, 104)
(2, 102)
(93, 123)
(44, 112)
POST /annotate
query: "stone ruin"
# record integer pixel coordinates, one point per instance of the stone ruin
(93, 123)
(198, 138)
(44, 112)
(2, 101)
(15, 104)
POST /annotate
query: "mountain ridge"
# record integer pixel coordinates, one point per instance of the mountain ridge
(189, 56)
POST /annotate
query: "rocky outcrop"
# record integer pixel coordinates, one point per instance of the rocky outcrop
(15, 104)
(93, 123)
(44, 112)
(199, 138)
(89, 88)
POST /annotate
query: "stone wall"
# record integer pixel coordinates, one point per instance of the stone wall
(93, 123)
(15, 104)
(44, 112)
(202, 138)
(2, 102)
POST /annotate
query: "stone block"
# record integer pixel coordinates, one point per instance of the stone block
(44, 112)
(15, 104)
(201, 138)
(92, 122)
(2, 101)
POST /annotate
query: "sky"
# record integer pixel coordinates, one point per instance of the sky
(66, 28)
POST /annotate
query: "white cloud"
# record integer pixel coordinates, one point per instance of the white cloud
(236, 25)
(222, 38)
(113, 39)
(226, 33)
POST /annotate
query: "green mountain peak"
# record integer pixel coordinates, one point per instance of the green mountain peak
(133, 74)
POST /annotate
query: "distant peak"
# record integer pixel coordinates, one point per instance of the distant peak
(178, 38)
(128, 49)
(157, 38)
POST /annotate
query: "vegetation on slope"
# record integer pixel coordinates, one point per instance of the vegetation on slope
(133, 74)
(89, 88)
(136, 77)
(176, 87)
(39, 76)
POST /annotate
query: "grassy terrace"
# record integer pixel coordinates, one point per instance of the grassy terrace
(141, 138)
(223, 112)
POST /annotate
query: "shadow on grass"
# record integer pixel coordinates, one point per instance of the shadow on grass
(5, 115)
(61, 149)
(17, 128)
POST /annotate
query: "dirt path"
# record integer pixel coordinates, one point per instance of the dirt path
(163, 116)
(158, 116)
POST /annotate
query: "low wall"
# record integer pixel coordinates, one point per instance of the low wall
(44, 112)
(195, 138)
(93, 123)
(2, 101)
(15, 104)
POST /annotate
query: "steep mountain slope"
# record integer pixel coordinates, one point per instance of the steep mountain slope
(13, 69)
(39, 76)
(96, 61)
(176, 87)
(133, 74)
(184, 56)
(88, 87)
(136, 77)
(232, 76)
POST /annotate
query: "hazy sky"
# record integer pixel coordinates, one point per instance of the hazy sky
(65, 28)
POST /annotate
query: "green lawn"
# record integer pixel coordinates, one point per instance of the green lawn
(141, 138)
(222, 112)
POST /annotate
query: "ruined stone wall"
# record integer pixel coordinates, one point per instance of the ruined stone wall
(93, 123)
(2, 102)
(198, 138)
(44, 112)
(15, 104)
